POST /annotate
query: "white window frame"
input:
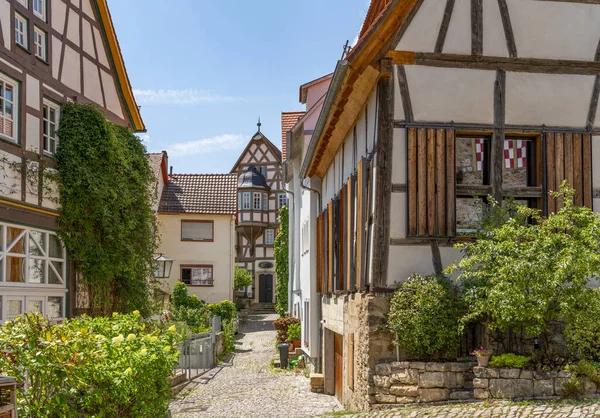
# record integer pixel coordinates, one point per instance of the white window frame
(25, 299)
(4, 81)
(257, 198)
(25, 3)
(282, 200)
(246, 201)
(21, 36)
(49, 140)
(269, 236)
(40, 48)
(41, 14)
(203, 283)
(265, 201)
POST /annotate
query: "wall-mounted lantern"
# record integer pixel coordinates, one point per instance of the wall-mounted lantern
(162, 267)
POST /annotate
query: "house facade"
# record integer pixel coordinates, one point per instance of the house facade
(196, 223)
(438, 102)
(304, 303)
(260, 195)
(51, 52)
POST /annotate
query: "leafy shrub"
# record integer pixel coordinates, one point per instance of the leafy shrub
(225, 309)
(573, 388)
(582, 332)
(282, 324)
(293, 332)
(240, 303)
(197, 319)
(280, 252)
(424, 314)
(241, 278)
(228, 337)
(111, 367)
(510, 360)
(182, 298)
(585, 368)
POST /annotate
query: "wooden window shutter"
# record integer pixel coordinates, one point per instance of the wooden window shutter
(350, 260)
(342, 239)
(320, 272)
(569, 157)
(431, 184)
(330, 241)
(362, 222)
(326, 251)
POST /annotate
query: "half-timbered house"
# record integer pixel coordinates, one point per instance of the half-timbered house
(260, 196)
(438, 102)
(50, 52)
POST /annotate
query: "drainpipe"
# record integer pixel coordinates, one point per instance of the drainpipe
(319, 368)
(291, 221)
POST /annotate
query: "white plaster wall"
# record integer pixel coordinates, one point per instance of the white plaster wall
(406, 260)
(32, 133)
(547, 29)
(5, 22)
(33, 92)
(333, 314)
(315, 92)
(10, 178)
(399, 158)
(551, 99)
(88, 39)
(494, 38)
(422, 33)
(398, 105)
(86, 6)
(76, 3)
(73, 27)
(50, 197)
(398, 216)
(348, 156)
(91, 82)
(372, 121)
(110, 94)
(102, 56)
(219, 253)
(59, 14)
(56, 48)
(31, 186)
(449, 94)
(71, 72)
(458, 38)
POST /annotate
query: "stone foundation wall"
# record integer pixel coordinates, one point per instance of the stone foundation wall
(409, 382)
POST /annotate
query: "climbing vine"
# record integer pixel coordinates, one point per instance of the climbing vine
(106, 220)
(281, 263)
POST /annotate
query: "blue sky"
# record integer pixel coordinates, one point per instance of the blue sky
(205, 70)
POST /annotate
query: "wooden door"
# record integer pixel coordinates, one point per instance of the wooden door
(338, 354)
(265, 282)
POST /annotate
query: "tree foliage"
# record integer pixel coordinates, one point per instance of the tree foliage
(424, 314)
(281, 262)
(529, 271)
(106, 220)
(242, 278)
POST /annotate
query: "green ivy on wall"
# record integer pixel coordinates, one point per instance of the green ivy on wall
(106, 220)
(281, 263)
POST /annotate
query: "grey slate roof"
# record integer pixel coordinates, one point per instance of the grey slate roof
(251, 178)
(200, 193)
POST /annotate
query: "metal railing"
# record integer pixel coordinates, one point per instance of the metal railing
(195, 356)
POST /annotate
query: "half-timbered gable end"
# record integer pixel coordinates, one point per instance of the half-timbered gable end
(440, 101)
(51, 52)
(260, 196)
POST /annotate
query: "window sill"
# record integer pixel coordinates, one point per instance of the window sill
(509, 191)
(43, 61)
(197, 240)
(199, 285)
(9, 140)
(24, 48)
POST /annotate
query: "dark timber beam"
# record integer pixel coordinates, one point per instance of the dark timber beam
(477, 27)
(528, 65)
(508, 30)
(383, 191)
(441, 39)
(497, 152)
(404, 93)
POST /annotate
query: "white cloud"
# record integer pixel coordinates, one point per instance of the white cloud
(145, 138)
(181, 97)
(206, 145)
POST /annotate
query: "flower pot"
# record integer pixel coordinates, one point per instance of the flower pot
(297, 343)
(483, 361)
(292, 348)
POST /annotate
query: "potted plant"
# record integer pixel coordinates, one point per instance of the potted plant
(483, 356)
(293, 333)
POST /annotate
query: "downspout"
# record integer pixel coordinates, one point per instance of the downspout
(291, 221)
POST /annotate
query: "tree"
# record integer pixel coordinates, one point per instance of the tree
(106, 219)
(242, 278)
(529, 271)
(281, 262)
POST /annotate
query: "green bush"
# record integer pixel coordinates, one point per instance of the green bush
(424, 314)
(510, 360)
(190, 310)
(585, 368)
(225, 309)
(582, 332)
(241, 278)
(282, 324)
(280, 252)
(293, 332)
(572, 388)
(228, 337)
(182, 298)
(93, 367)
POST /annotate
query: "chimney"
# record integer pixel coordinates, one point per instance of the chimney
(171, 170)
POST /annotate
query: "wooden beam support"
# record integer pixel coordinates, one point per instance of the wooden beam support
(497, 151)
(441, 39)
(508, 30)
(404, 93)
(477, 27)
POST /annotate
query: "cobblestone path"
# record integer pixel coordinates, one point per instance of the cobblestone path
(500, 410)
(249, 387)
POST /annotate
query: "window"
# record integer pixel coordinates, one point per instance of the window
(8, 108)
(269, 236)
(197, 231)
(51, 118)
(21, 31)
(246, 205)
(263, 171)
(24, 2)
(52, 307)
(282, 200)
(39, 43)
(265, 201)
(257, 202)
(197, 275)
(39, 9)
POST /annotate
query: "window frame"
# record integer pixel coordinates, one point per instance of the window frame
(285, 200)
(43, 45)
(184, 221)
(265, 241)
(191, 267)
(265, 202)
(24, 33)
(254, 201)
(16, 89)
(246, 201)
(24, 3)
(43, 15)
(47, 103)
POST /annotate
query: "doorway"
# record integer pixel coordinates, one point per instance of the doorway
(338, 354)
(265, 288)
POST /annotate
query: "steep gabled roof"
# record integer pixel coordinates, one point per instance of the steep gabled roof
(304, 87)
(376, 9)
(214, 194)
(158, 164)
(288, 121)
(116, 58)
(258, 135)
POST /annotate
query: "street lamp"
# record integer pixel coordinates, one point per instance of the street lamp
(162, 267)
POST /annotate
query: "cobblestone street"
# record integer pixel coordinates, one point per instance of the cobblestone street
(249, 387)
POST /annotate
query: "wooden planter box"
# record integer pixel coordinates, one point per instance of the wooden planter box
(8, 397)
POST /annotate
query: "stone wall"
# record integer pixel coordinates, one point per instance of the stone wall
(492, 383)
(409, 382)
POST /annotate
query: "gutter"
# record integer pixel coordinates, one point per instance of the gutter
(332, 93)
(291, 220)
